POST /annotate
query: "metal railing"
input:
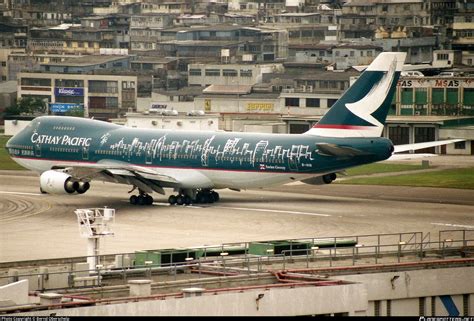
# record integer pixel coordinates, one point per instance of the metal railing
(215, 260)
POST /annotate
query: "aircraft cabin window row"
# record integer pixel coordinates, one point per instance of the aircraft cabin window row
(64, 150)
(64, 128)
(21, 147)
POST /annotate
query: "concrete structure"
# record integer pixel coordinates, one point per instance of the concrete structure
(206, 122)
(4, 63)
(463, 27)
(88, 64)
(230, 74)
(13, 34)
(7, 96)
(232, 43)
(408, 278)
(12, 127)
(15, 293)
(19, 61)
(342, 56)
(145, 30)
(102, 96)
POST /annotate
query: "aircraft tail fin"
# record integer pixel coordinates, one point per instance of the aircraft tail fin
(363, 108)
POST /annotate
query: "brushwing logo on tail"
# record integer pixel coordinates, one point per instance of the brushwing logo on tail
(374, 98)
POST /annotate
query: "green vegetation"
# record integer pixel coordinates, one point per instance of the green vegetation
(27, 105)
(75, 112)
(381, 168)
(5, 161)
(462, 178)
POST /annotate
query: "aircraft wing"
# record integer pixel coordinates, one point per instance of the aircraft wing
(144, 178)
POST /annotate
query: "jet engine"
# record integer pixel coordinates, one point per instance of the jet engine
(320, 180)
(53, 182)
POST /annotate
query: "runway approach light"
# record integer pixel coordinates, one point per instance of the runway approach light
(94, 223)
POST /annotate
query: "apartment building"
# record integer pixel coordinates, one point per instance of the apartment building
(145, 30)
(101, 96)
(13, 34)
(230, 74)
(240, 43)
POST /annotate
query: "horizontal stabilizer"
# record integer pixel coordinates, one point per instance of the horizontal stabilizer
(397, 157)
(326, 149)
(416, 146)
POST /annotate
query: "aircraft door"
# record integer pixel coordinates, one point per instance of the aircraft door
(85, 152)
(149, 155)
(293, 158)
(37, 150)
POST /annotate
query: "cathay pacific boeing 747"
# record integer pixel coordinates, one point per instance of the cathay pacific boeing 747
(71, 152)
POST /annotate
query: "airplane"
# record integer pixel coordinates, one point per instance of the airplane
(70, 152)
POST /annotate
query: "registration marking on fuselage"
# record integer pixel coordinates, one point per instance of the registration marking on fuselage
(21, 193)
(270, 211)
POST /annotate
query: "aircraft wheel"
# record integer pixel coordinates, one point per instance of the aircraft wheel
(133, 200)
(215, 196)
(200, 199)
(42, 192)
(172, 199)
(187, 200)
(141, 200)
(180, 200)
(149, 200)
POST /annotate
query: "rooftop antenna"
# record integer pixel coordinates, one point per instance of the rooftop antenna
(94, 223)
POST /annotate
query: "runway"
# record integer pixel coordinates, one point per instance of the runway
(37, 226)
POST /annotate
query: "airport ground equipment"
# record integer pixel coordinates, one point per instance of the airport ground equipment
(95, 223)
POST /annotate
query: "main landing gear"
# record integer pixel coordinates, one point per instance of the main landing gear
(141, 199)
(197, 197)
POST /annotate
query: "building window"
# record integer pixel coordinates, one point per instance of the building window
(212, 72)
(369, 53)
(292, 102)
(245, 73)
(195, 72)
(351, 53)
(101, 86)
(36, 82)
(460, 145)
(331, 102)
(442, 56)
(312, 102)
(229, 73)
(68, 83)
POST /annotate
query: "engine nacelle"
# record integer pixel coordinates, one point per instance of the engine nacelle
(321, 180)
(53, 182)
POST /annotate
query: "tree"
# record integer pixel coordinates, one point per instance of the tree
(75, 112)
(27, 105)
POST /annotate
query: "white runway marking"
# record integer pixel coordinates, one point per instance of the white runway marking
(268, 210)
(19, 193)
(453, 225)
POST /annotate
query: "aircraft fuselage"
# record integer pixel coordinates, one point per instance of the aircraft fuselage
(259, 159)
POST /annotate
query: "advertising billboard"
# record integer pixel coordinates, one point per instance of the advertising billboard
(64, 91)
(62, 107)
